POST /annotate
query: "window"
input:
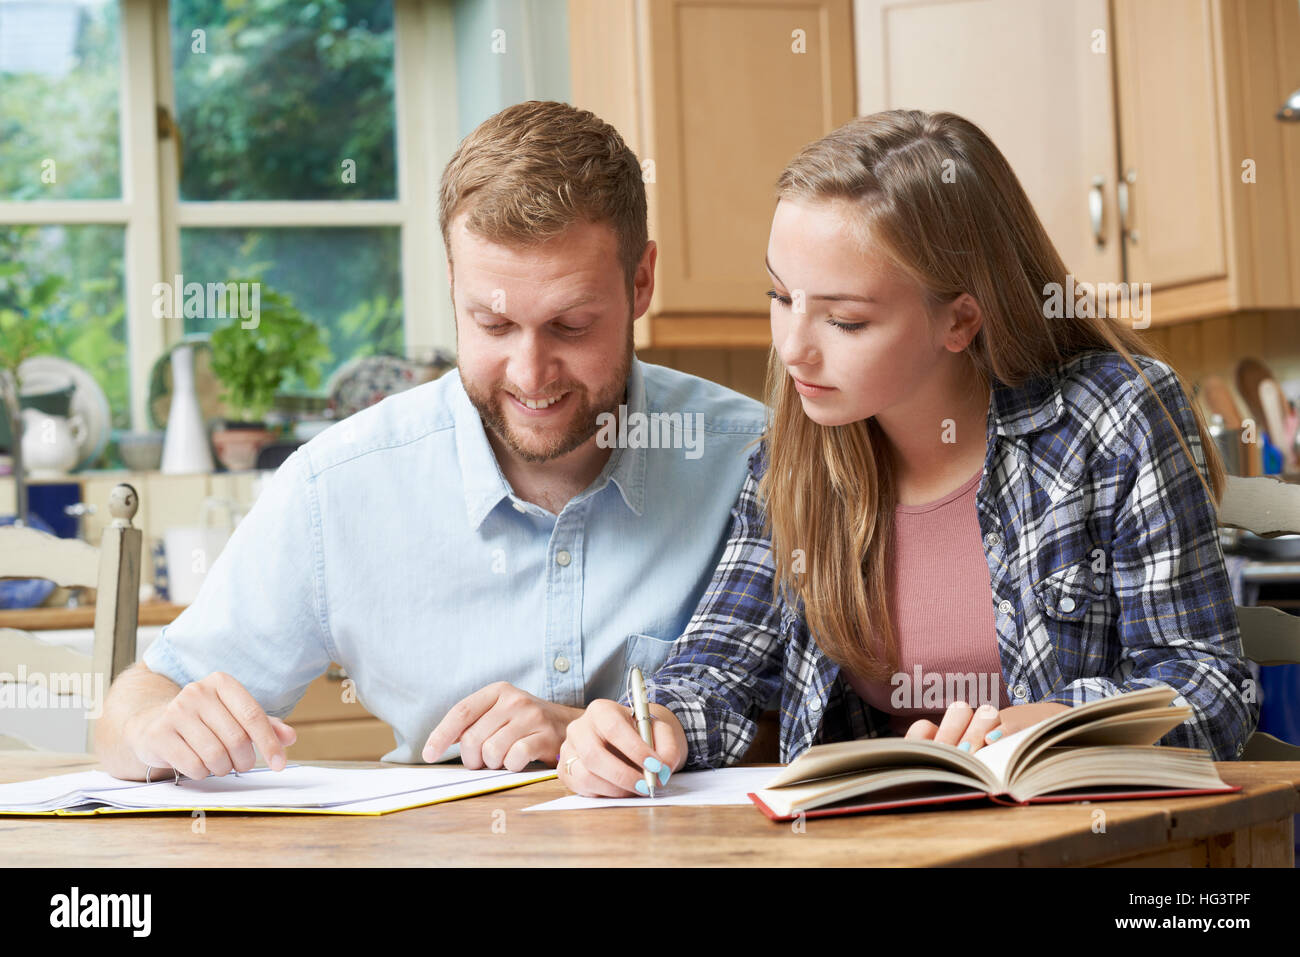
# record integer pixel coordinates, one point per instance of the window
(298, 143)
(60, 88)
(294, 102)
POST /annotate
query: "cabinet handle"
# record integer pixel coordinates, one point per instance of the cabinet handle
(1122, 189)
(1097, 211)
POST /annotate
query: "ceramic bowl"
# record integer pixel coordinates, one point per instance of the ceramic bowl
(141, 451)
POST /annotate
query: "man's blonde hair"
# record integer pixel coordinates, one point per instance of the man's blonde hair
(528, 173)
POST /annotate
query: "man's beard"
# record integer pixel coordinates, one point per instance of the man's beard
(584, 422)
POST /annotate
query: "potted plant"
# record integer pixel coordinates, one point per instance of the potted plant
(253, 364)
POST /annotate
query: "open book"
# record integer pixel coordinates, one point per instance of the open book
(1102, 750)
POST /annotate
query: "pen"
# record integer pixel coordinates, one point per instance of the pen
(641, 714)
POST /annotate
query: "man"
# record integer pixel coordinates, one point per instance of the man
(473, 551)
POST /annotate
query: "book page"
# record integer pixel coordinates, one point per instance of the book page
(997, 756)
(1003, 756)
(846, 757)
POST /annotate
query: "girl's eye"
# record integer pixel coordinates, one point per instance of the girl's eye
(846, 326)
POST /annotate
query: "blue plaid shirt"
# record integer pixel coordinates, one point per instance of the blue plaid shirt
(1078, 461)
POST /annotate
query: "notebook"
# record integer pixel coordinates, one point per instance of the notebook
(1104, 750)
(297, 789)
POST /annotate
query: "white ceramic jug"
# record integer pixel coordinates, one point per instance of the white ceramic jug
(51, 443)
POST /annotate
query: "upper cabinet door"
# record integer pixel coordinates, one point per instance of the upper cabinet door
(734, 89)
(1036, 76)
(1170, 142)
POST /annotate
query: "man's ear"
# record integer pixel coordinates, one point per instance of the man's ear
(643, 283)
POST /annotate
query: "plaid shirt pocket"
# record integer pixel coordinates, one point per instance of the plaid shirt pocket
(1079, 611)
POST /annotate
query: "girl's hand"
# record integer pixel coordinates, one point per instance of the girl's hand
(603, 754)
(961, 724)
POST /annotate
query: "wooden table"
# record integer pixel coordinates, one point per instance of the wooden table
(1252, 828)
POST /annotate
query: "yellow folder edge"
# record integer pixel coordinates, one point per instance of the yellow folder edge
(62, 812)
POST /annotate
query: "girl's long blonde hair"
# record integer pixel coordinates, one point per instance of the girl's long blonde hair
(939, 202)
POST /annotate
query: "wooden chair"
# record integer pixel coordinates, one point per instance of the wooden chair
(113, 569)
(1268, 507)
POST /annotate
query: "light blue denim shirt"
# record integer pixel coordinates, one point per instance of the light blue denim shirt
(392, 544)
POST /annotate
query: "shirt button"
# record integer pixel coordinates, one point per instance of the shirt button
(1019, 691)
(561, 663)
(519, 506)
(1067, 603)
(562, 557)
(1005, 607)
(1098, 584)
(814, 704)
(992, 539)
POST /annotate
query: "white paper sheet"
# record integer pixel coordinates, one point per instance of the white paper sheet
(57, 790)
(297, 787)
(719, 786)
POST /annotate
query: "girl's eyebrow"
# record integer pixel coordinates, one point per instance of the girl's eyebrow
(834, 297)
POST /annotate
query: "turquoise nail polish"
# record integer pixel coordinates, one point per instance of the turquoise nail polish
(964, 746)
(664, 773)
(642, 787)
(653, 764)
(994, 735)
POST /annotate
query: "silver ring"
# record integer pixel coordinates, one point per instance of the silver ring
(148, 770)
(569, 763)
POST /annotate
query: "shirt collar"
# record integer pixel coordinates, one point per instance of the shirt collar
(1020, 409)
(484, 483)
(627, 467)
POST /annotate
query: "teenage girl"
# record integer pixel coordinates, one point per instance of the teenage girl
(977, 502)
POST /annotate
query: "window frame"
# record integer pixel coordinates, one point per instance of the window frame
(152, 214)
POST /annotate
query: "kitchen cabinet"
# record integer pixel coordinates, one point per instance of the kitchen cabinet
(1025, 72)
(1143, 131)
(715, 97)
(333, 725)
(1171, 168)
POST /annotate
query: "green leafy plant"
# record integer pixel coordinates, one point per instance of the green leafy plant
(24, 330)
(254, 363)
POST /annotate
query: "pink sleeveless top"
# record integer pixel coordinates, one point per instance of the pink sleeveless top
(941, 601)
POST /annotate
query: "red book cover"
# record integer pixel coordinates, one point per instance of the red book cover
(997, 799)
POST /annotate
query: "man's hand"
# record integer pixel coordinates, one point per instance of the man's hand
(501, 726)
(961, 725)
(211, 726)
